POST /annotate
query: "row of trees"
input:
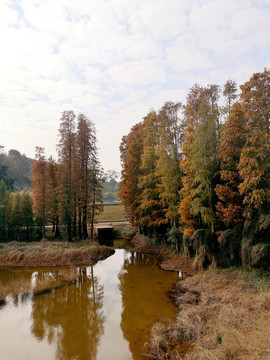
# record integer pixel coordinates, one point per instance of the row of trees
(199, 173)
(68, 192)
(16, 215)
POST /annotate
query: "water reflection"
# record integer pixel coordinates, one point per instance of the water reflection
(143, 286)
(72, 317)
(105, 313)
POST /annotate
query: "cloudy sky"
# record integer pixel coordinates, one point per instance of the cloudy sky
(115, 60)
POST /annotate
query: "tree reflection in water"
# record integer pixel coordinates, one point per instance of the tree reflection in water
(77, 335)
(144, 286)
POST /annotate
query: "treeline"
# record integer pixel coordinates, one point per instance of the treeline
(68, 192)
(16, 215)
(198, 174)
(65, 195)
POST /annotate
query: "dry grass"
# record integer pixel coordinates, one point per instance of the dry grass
(222, 317)
(56, 253)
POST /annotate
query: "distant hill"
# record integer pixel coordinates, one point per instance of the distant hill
(15, 169)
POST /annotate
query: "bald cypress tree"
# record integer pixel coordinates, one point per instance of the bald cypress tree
(187, 218)
(66, 151)
(39, 185)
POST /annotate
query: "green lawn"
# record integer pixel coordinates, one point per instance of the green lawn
(112, 213)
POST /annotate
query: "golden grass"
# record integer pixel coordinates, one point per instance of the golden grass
(112, 213)
(46, 253)
(222, 317)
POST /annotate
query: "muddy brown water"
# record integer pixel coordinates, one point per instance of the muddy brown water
(107, 313)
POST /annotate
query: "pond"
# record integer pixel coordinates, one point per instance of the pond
(106, 313)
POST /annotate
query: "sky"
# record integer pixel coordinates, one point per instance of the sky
(115, 60)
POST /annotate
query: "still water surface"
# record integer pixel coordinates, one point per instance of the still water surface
(106, 314)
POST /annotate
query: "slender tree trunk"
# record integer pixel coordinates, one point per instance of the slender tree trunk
(57, 234)
(85, 233)
(93, 213)
(43, 221)
(80, 224)
(69, 221)
(74, 232)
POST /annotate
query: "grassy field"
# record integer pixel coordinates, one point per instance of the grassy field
(112, 213)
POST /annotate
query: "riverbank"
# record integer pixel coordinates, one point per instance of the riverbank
(168, 259)
(52, 253)
(223, 314)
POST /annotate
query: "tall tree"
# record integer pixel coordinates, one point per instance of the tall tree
(254, 169)
(204, 158)
(131, 149)
(230, 94)
(39, 187)
(88, 167)
(229, 206)
(66, 150)
(52, 202)
(170, 129)
(188, 219)
(254, 163)
(150, 209)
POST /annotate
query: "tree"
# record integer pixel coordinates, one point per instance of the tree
(52, 203)
(131, 149)
(170, 132)
(39, 187)
(89, 180)
(188, 220)
(229, 207)
(229, 92)
(254, 170)
(204, 159)
(66, 150)
(254, 166)
(150, 210)
(96, 199)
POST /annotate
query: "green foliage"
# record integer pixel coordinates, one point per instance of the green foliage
(175, 239)
(15, 170)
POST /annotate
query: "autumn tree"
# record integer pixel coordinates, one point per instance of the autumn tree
(131, 149)
(88, 174)
(150, 209)
(204, 158)
(52, 202)
(229, 206)
(39, 187)
(254, 169)
(66, 150)
(170, 133)
(187, 218)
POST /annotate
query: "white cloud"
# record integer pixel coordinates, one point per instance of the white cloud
(116, 59)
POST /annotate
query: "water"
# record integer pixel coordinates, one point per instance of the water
(106, 314)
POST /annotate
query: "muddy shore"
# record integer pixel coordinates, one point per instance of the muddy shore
(223, 314)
